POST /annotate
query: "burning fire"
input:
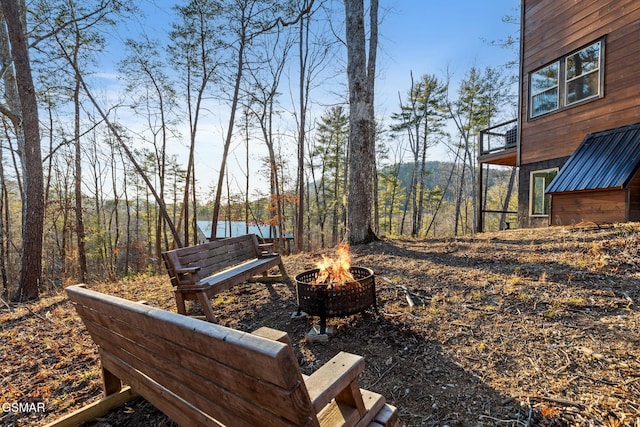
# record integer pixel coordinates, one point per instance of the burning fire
(336, 271)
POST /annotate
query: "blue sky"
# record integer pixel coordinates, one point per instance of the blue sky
(419, 36)
(431, 36)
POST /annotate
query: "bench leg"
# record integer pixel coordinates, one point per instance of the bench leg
(180, 303)
(110, 383)
(282, 270)
(205, 303)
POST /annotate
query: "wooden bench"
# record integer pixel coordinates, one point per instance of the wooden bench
(201, 271)
(204, 374)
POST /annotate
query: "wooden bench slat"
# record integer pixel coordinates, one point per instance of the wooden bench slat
(227, 279)
(176, 363)
(248, 266)
(179, 410)
(204, 338)
(214, 263)
(213, 400)
(203, 374)
(220, 265)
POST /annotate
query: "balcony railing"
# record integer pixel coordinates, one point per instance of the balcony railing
(499, 137)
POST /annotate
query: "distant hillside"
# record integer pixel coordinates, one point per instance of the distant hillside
(438, 174)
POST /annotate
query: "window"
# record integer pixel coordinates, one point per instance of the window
(583, 74)
(539, 201)
(570, 80)
(544, 90)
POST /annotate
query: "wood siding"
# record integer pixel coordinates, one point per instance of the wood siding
(601, 207)
(553, 29)
(634, 198)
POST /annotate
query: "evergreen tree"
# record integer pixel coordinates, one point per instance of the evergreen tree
(328, 156)
(423, 118)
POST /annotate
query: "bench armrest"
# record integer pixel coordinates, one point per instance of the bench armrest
(336, 379)
(186, 275)
(186, 270)
(272, 334)
(266, 249)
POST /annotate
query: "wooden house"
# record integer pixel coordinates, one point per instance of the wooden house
(576, 141)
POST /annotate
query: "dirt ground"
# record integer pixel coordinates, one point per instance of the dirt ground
(517, 328)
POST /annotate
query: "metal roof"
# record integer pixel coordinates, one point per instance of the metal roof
(607, 159)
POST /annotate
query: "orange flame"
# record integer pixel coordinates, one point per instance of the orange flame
(336, 271)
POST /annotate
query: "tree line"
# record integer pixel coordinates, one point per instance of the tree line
(91, 188)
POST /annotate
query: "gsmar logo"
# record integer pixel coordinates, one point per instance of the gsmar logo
(22, 407)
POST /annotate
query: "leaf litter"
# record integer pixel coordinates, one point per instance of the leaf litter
(533, 327)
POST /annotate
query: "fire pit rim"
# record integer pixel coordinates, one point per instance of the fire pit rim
(315, 271)
(320, 300)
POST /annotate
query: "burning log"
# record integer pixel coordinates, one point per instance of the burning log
(335, 288)
(335, 272)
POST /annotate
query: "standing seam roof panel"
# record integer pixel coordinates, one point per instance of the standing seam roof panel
(607, 159)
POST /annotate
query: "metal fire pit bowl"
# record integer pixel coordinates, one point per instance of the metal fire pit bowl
(339, 301)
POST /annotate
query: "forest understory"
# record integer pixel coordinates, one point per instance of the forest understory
(516, 328)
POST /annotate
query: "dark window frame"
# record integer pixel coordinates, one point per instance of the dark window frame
(562, 103)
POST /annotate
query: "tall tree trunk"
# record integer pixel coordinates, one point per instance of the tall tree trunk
(80, 232)
(460, 193)
(132, 159)
(229, 135)
(3, 230)
(303, 96)
(472, 172)
(444, 192)
(247, 206)
(423, 176)
(376, 205)
(28, 126)
(361, 76)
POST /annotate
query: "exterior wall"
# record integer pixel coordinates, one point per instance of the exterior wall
(634, 198)
(601, 207)
(552, 29)
(524, 185)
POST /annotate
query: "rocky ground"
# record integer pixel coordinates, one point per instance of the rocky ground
(517, 328)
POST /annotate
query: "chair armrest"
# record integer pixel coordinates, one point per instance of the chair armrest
(333, 378)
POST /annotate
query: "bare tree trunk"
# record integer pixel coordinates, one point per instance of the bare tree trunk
(376, 206)
(113, 237)
(27, 125)
(247, 206)
(232, 117)
(4, 207)
(472, 173)
(459, 194)
(444, 192)
(303, 93)
(244, 39)
(80, 232)
(361, 75)
(130, 156)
